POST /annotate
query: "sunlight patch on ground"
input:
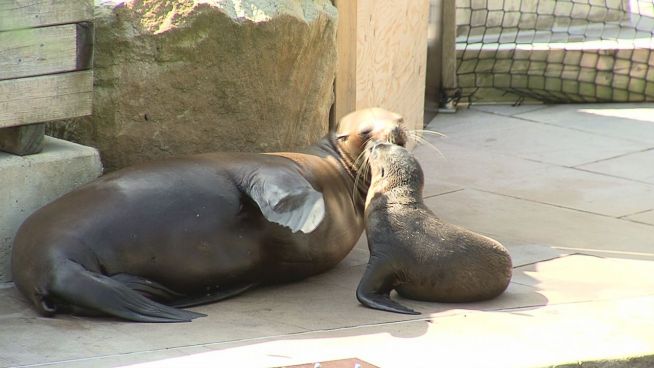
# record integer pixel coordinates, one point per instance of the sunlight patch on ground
(642, 114)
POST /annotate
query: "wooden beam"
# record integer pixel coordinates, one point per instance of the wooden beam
(22, 140)
(448, 78)
(40, 99)
(38, 51)
(346, 49)
(16, 14)
(392, 56)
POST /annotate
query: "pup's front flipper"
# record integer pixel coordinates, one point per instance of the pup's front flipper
(375, 287)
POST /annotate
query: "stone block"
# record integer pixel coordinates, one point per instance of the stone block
(30, 182)
(182, 77)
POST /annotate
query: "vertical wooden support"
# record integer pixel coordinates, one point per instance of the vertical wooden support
(346, 48)
(382, 46)
(22, 140)
(448, 78)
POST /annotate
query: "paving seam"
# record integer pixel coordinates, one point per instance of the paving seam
(551, 204)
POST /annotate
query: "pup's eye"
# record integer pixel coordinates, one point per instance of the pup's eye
(382, 173)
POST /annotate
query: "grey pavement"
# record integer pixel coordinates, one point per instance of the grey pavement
(569, 189)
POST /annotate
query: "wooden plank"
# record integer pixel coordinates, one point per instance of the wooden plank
(23, 140)
(16, 14)
(38, 51)
(391, 56)
(40, 99)
(449, 47)
(346, 48)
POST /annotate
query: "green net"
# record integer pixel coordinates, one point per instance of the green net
(555, 51)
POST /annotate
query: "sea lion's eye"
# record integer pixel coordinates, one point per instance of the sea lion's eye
(366, 131)
(382, 173)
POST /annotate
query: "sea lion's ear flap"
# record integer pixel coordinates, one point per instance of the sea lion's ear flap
(287, 198)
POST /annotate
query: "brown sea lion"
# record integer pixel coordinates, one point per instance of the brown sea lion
(139, 242)
(414, 252)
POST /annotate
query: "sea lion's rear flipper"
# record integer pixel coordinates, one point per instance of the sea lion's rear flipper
(77, 286)
(147, 288)
(375, 287)
(214, 296)
(287, 198)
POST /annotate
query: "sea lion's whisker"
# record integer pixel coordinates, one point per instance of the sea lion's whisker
(425, 142)
(424, 131)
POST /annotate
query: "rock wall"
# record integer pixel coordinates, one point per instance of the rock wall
(188, 76)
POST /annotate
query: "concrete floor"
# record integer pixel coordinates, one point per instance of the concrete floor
(568, 189)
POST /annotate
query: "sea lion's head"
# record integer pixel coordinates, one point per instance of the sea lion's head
(395, 173)
(363, 127)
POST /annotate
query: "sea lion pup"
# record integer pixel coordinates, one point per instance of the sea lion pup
(138, 242)
(414, 252)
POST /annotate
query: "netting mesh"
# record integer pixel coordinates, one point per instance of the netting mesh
(555, 50)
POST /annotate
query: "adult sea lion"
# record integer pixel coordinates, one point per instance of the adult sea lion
(141, 241)
(414, 252)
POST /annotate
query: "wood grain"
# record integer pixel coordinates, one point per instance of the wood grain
(38, 51)
(40, 99)
(23, 140)
(16, 14)
(346, 48)
(448, 77)
(391, 56)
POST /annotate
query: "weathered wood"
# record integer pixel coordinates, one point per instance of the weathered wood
(84, 43)
(346, 48)
(40, 99)
(16, 14)
(38, 51)
(22, 140)
(392, 56)
(448, 36)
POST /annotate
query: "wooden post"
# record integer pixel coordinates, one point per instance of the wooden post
(22, 140)
(382, 46)
(346, 48)
(448, 78)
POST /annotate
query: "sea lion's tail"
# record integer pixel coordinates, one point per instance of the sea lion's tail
(93, 292)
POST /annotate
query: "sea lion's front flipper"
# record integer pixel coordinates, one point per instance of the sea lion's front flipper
(287, 198)
(375, 287)
(79, 287)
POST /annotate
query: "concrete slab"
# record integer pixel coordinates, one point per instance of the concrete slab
(631, 121)
(537, 337)
(527, 254)
(29, 182)
(515, 221)
(461, 166)
(629, 166)
(530, 140)
(584, 191)
(646, 217)
(467, 167)
(570, 279)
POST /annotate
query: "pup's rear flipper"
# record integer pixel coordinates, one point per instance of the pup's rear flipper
(375, 287)
(77, 286)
